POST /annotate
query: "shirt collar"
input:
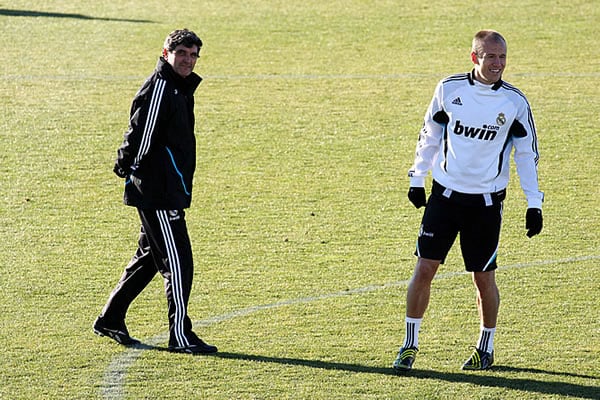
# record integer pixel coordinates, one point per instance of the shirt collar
(494, 86)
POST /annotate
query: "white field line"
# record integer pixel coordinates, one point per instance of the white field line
(113, 386)
(259, 77)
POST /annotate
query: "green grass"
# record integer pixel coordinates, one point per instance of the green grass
(307, 121)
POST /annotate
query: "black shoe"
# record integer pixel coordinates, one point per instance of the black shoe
(198, 347)
(119, 335)
(405, 359)
(479, 360)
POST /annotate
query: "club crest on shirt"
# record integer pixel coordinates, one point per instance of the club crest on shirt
(501, 119)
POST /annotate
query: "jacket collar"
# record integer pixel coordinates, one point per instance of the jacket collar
(190, 83)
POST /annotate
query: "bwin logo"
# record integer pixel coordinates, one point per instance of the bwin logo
(486, 132)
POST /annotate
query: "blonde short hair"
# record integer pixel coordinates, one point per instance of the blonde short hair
(483, 36)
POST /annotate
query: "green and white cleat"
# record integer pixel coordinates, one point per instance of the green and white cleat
(479, 360)
(405, 359)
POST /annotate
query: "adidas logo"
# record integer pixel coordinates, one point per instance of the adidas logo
(457, 101)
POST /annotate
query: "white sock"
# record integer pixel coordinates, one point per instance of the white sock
(413, 325)
(486, 339)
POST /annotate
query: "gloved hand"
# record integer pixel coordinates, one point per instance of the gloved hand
(416, 195)
(119, 171)
(533, 221)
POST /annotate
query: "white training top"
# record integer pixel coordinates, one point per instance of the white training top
(468, 135)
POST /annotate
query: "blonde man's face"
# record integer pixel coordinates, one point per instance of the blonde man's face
(490, 62)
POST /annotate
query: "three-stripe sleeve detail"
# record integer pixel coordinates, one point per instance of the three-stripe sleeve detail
(151, 119)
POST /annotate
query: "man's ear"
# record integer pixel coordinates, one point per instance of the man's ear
(474, 58)
(165, 52)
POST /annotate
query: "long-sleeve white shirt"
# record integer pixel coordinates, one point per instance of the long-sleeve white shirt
(469, 132)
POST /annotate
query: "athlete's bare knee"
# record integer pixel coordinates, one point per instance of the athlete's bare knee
(485, 280)
(425, 269)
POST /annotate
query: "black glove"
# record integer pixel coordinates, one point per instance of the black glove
(119, 171)
(533, 221)
(416, 195)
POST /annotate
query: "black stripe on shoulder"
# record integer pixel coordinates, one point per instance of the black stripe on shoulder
(456, 77)
(511, 88)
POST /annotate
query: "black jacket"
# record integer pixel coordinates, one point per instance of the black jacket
(158, 153)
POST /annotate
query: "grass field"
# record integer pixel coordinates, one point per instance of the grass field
(302, 233)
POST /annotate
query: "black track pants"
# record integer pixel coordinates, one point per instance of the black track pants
(164, 246)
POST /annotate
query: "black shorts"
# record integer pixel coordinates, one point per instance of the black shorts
(479, 227)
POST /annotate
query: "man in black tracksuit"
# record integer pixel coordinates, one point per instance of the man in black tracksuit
(157, 159)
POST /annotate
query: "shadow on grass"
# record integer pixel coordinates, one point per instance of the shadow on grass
(481, 379)
(30, 13)
(143, 346)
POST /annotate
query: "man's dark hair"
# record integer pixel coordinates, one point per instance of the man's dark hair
(184, 37)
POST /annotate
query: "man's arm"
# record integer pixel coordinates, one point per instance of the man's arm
(143, 122)
(526, 158)
(428, 146)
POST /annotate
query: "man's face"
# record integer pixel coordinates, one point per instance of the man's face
(490, 62)
(182, 59)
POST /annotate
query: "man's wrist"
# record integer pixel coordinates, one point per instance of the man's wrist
(417, 181)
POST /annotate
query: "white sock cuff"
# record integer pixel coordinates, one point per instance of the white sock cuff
(486, 339)
(413, 325)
